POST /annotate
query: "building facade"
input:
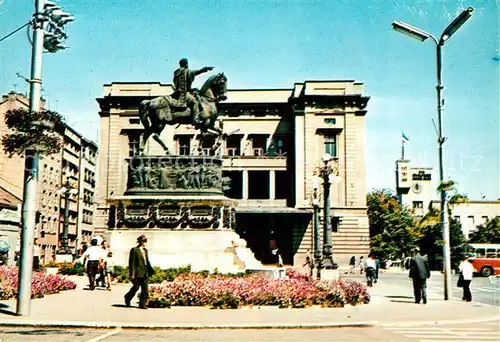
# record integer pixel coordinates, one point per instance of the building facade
(414, 187)
(271, 158)
(76, 163)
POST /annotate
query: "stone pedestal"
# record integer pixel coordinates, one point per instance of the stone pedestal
(178, 202)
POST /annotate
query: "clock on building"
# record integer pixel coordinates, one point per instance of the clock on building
(417, 187)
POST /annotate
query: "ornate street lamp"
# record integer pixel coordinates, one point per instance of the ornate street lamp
(422, 36)
(316, 260)
(329, 176)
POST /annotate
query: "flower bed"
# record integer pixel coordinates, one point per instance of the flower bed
(230, 293)
(42, 284)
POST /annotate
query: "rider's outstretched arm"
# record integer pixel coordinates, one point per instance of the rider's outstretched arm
(202, 70)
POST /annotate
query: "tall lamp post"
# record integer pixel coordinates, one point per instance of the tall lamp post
(328, 175)
(422, 36)
(316, 262)
(48, 25)
(67, 191)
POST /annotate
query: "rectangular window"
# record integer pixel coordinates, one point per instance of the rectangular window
(258, 184)
(471, 220)
(134, 144)
(235, 189)
(282, 189)
(330, 121)
(259, 144)
(233, 145)
(418, 205)
(331, 145)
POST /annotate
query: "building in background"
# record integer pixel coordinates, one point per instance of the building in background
(75, 162)
(10, 229)
(473, 213)
(271, 160)
(415, 190)
(414, 187)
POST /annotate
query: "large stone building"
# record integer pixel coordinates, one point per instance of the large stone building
(271, 160)
(76, 162)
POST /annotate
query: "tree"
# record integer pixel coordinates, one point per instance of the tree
(430, 227)
(32, 130)
(487, 233)
(431, 241)
(392, 227)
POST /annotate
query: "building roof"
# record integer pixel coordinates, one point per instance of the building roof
(8, 199)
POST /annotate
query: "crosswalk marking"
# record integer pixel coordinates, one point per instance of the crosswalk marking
(482, 289)
(429, 334)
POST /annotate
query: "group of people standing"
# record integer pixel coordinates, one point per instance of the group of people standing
(369, 266)
(97, 261)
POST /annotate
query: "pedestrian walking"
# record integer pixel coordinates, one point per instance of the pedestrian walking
(370, 269)
(92, 257)
(377, 269)
(466, 272)
(139, 272)
(419, 273)
(361, 265)
(352, 264)
(36, 255)
(103, 275)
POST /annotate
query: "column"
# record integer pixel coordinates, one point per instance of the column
(299, 159)
(244, 184)
(272, 186)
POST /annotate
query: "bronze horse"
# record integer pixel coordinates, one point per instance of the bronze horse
(156, 113)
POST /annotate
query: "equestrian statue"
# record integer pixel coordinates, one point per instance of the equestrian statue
(185, 105)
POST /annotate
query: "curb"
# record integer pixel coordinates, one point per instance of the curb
(188, 326)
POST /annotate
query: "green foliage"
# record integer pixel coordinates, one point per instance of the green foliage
(32, 130)
(170, 274)
(432, 240)
(487, 233)
(68, 268)
(392, 227)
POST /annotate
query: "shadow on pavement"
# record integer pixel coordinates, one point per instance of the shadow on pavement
(120, 306)
(400, 297)
(43, 332)
(403, 301)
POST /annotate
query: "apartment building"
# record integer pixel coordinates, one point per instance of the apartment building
(271, 160)
(75, 163)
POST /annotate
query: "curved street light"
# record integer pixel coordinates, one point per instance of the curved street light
(422, 36)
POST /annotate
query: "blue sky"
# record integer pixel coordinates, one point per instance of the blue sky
(276, 43)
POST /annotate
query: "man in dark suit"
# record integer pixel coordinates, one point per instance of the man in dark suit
(420, 272)
(139, 272)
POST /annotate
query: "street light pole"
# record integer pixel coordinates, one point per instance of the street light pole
(48, 33)
(326, 173)
(31, 171)
(327, 262)
(317, 232)
(420, 35)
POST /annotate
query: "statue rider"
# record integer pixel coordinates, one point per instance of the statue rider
(183, 79)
